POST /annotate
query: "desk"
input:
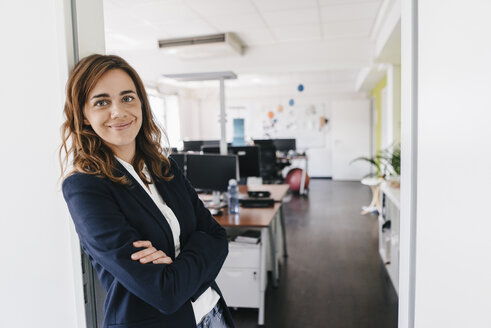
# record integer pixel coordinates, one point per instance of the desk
(278, 192)
(264, 219)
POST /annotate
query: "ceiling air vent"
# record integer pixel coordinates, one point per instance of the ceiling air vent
(215, 45)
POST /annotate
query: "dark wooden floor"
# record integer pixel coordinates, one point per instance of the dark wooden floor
(333, 277)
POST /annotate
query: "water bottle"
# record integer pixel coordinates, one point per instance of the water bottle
(233, 197)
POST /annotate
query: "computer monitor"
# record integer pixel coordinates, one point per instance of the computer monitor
(211, 172)
(264, 142)
(192, 145)
(180, 159)
(249, 158)
(195, 145)
(285, 145)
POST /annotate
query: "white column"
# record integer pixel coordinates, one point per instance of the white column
(89, 27)
(452, 265)
(40, 276)
(409, 161)
(223, 119)
(394, 100)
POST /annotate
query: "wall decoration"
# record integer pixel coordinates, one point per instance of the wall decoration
(280, 108)
(302, 121)
(270, 114)
(239, 135)
(291, 102)
(323, 122)
(310, 110)
(300, 87)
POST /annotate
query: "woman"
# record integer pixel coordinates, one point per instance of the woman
(156, 248)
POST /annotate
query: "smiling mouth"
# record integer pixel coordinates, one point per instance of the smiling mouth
(121, 126)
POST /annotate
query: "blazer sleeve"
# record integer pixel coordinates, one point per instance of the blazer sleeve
(207, 224)
(107, 237)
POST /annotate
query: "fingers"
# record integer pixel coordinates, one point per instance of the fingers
(149, 254)
(142, 243)
(143, 253)
(163, 260)
(152, 257)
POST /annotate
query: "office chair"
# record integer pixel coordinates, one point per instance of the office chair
(268, 165)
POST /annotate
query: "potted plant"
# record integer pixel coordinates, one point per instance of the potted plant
(392, 158)
(387, 163)
(377, 162)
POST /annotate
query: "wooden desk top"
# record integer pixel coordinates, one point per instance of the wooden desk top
(253, 217)
(248, 217)
(278, 191)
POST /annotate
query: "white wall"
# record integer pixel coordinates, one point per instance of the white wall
(253, 103)
(351, 139)
(189, 115)
(38, 287)
(453, 244)
(40, 276)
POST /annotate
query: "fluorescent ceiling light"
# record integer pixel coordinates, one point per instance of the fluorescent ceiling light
(228, 75)
(204, 46)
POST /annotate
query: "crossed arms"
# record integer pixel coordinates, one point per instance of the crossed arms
(108, 238)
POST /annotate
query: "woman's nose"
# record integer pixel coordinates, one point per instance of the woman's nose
(117, 111)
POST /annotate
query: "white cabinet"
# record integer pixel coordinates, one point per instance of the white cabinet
(243, 256)
(240, 287)
(389, 222)
(241, 278)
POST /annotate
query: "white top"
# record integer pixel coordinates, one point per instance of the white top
(371, 181)
(207, 301)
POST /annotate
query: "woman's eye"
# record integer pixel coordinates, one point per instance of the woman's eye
(128, 98)
(101, 103)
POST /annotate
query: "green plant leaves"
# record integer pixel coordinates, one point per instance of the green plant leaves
(386, 161)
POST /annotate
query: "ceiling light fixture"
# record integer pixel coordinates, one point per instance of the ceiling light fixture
(205, 46)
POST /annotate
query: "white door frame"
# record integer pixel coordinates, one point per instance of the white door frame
(409, 160)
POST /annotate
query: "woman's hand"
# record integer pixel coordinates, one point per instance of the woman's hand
(149, 254)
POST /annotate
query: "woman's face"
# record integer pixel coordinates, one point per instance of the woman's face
(114, 112)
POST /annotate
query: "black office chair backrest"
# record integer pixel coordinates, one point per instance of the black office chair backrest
(268, 161)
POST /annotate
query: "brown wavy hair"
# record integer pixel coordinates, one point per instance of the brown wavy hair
(90, 154)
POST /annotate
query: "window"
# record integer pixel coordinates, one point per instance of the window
(165, 109)
(172, 118)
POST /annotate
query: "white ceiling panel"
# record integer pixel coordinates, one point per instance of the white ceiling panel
(292, 17)
(211, 8)
(127, 42)
(275, 5)
(345, 2)
(255, 36)
(133, 3)
(164, 12)
(187, 30)
(279, 35)
(138, 32)
(352, 11)
(297, 33)
(360, 28)
(232, 23)
(116, 18)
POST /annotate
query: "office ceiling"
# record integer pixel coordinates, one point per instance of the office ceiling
(321, 40)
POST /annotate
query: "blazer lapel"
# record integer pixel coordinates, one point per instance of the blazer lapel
(171, 199)
(147, 202)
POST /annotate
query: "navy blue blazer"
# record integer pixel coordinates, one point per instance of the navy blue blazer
(109, 217)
